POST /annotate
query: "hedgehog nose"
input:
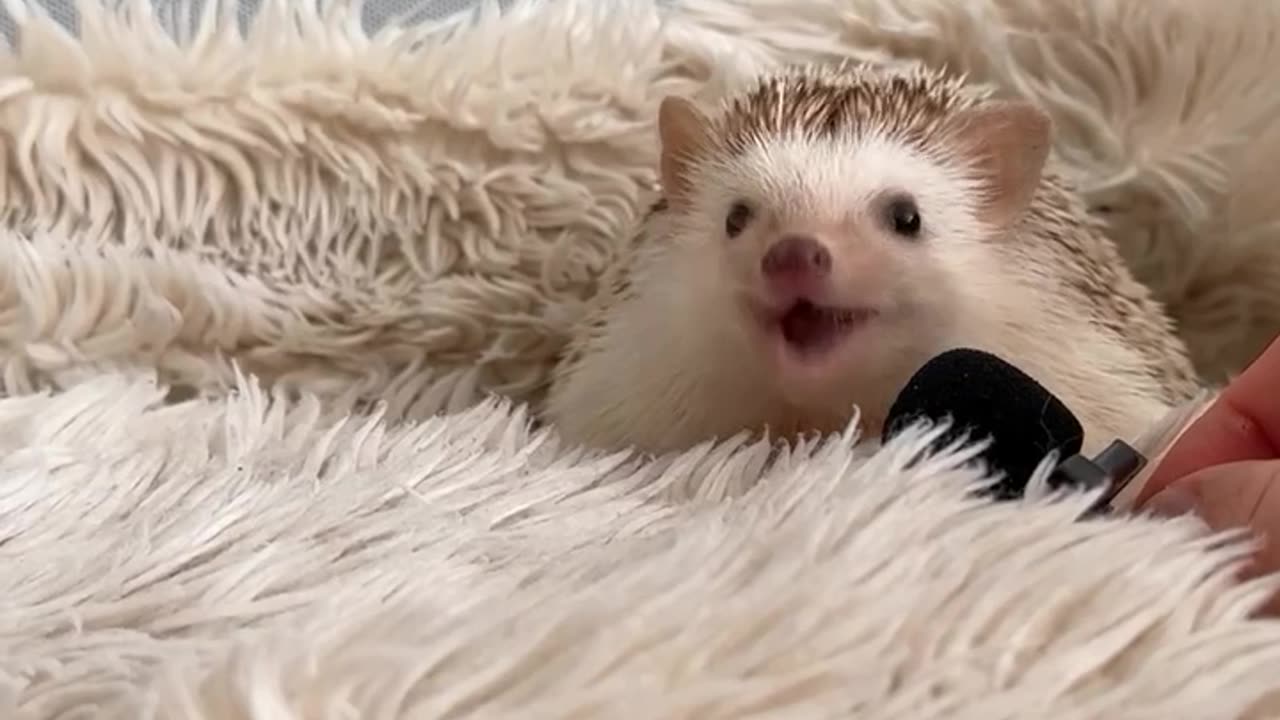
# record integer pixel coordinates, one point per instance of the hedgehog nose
(796, 257)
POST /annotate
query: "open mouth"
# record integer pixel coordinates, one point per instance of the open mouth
(810, 329)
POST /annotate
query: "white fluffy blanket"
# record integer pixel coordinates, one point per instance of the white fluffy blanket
(380, 230)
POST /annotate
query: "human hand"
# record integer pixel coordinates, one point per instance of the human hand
(1226, 466)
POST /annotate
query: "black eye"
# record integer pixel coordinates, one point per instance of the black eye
(904, 217)
(736, 221)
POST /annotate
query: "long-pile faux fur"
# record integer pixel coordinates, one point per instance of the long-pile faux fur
(257, 290)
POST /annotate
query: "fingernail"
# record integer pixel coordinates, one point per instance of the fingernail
(1172, 502)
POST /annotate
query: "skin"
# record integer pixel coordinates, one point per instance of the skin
(1226, 467)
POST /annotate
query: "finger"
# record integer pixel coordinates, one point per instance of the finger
(1271, 608)
(1254, 391)
(1242, 424)
(1231, 495)
(1236, 495)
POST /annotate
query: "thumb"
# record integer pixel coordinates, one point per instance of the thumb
(1234, 494)
(1174, 501)
(1242, 424)
(1227, 497)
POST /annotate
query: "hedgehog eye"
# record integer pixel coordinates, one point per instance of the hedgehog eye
(736, 221)
(904, 217)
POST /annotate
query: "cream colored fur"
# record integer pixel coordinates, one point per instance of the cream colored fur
(251, 558)
(680, 356)
(387, 228)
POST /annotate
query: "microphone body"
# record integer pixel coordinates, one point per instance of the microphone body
(984, 397)
(1113, 468)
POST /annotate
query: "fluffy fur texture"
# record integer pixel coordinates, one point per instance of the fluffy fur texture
(689, 345)
(386, 228)
(252, 558)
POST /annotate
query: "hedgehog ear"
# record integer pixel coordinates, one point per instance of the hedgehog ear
(1008, 143)
(683, 131)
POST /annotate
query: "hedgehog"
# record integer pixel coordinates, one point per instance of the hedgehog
(821, 235)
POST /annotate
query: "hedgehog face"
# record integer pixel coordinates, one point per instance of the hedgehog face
(839, 257)
(836, 218)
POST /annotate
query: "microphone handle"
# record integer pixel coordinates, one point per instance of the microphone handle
(1113, 468)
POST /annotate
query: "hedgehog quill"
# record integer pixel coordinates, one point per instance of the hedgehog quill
(823, 234)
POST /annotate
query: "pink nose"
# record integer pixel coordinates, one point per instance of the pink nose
(798, 257)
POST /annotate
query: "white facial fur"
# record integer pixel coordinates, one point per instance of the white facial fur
(834, 190)
(681, 359)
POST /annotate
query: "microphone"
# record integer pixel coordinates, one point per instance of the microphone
(986, 397)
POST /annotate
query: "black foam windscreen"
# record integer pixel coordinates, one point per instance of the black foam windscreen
(986, 397)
